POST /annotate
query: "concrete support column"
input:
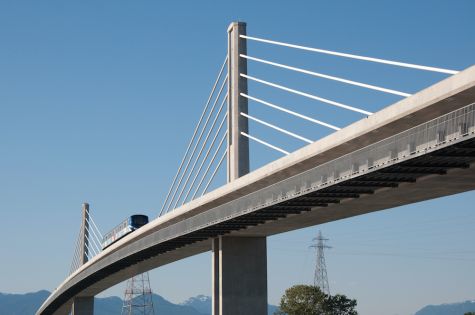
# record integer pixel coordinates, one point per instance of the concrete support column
(239, 264)
(238, 145)
(239, 276)
(215, 277)
(83, 306)
(85, 234)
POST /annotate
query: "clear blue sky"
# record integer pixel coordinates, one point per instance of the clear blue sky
(99, 98)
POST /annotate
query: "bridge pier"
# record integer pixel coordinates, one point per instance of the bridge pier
(239, 264)
(239, 271)
(83, 306)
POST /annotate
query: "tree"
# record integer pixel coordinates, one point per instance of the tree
(310, 300)
(339, 305)
(470, 313)
(302, 299)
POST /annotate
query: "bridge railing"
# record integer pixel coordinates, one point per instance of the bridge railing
(207, 149)
(422, 139)
(411, 143)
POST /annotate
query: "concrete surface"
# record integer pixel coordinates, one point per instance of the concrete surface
(452, 93)
(83, 306)
(241, 276)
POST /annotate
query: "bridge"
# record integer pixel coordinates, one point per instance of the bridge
(419, 148)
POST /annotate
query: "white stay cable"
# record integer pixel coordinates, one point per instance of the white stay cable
(290, 112)
(91, 241)
(205, 141)
(339, 54)
(209, 165)
(317, 98)
(79, 242)
(80, 247)
(265, 143)
(95, 250)
(95, 237)
(194, 134)
(72, 268)
(74, 263)
(196, 144)
(329, 77)
(94, 226)
(88, 248)
(276, 128)
(206, 157)
(215, 171)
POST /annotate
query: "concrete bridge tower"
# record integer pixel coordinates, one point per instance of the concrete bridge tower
(239, 264)
(84, 304)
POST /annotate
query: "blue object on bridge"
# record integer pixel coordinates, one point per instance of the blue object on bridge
(127, 226)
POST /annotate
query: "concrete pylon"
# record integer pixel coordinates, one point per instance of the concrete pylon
(239, 276)
(239, 264)
(84, 305)
(238, 145)
(85, 234)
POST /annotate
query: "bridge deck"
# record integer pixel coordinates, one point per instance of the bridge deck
(383, 161)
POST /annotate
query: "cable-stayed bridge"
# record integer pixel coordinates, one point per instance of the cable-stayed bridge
(420, 147)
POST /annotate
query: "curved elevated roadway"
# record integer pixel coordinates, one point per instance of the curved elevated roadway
(420, 148)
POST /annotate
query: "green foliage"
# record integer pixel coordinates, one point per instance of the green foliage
(470, 313)
(339, 305)
(302, 299)
(310, 300)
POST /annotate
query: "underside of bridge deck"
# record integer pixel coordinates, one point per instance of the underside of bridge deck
(458, 156)
(424, 145)
(442, 172)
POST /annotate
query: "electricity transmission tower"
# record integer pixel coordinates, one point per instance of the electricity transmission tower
(138, 296)
(321, 278)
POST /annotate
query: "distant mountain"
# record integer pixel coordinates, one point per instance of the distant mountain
(21, 304)
(202, 303)
(107, 306)
(448, 309)
(28, 304)
(163, 306)
(271, 309)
